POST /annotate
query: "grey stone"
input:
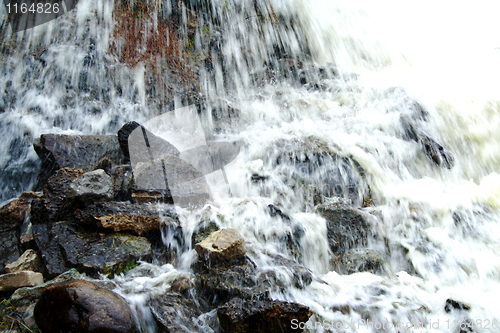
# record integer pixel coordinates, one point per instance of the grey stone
(91, 187)
(20, 279)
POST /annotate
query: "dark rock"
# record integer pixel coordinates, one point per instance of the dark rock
(315, 172)
(203, 231)
(221, 245)
(104, 164)
(9, 250)
(122, 216)
(91, 187)
(455, 305)
(65, 245)
(81, 306)
(53, 205)
(25, 298)
(174, 312)
(123, 181)
(268, 316)
(346, 227)
(13, 214)
(433, 150)
(76, 152)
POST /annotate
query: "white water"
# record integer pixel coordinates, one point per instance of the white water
(442, 54)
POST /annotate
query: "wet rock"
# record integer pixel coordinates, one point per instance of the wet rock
(66, 245)
(9, 250)
(104, 164)
(219, 284)
(204, 230)
(222, 245)
(346, 227)
(151, 196)
(433, 150)
(53, 205)
(362, 260)
(174, 313)
(13, 214)
(91, 187)
(269, 316)
(25, 298)
(20, 279)
(451, 305)
(81, 306)
(28, 261)
(123, 181)
(122, 216)
(315, 172)
(75, 152)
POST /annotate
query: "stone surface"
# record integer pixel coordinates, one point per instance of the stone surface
(91, 187)
(268, 316)
(75, 151)
(66, 245)
(184, 183)
(221, 245)
(13, 214)
(362, 260)
(20, 279)
(174, 312)
(53, 205)
(122, 216)
(346, 227)
(81, 306)
(123, 181)
(9, 250)
(28, 261)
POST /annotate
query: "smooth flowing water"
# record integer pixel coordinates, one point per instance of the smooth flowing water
(60, 77)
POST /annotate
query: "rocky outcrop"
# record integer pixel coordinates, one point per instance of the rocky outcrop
(20, 279)
(66, 245)
(362, 260)
(269, 316)
(13, 214)
(28, 261)
(91, 187)
(75, 152)
(81, 306)
(222, 245)
(53, 205)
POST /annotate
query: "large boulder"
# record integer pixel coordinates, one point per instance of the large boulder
(66, 245)
(75, 152)
(221, 245)
(13, 214)
(53, 205)
(81, 306)
(269, 316)
(20, 279)
(91, 187)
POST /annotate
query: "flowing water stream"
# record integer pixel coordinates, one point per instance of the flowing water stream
(378, 58)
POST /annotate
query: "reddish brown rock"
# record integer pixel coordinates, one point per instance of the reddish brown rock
(81, 306)
(13, 214)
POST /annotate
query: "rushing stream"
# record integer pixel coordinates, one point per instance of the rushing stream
(377, 59)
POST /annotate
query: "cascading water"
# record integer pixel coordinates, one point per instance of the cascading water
(272, 62)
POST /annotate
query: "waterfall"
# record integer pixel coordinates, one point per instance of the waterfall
(317, 93)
